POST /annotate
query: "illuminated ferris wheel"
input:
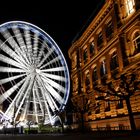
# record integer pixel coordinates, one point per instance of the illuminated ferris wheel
(34, 77)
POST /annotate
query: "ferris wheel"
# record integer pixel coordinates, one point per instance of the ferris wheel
(34, 77)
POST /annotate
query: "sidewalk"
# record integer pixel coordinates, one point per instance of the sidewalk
(65, 137)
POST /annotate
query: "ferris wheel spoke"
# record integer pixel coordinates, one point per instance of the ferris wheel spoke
(10, 61)
(35, 47)
(35, 105)
(22, 90)
(9, 69)
(53, 83)
(38, 96)
(18, 97)
(6, 94)
(53, 93)
(53, 69)
(26, 95)
(46, 56)
(6, 34)
(21, 42)
(43, 90)
(52, 103)
(55, 77)
(13, 43)
(25, 110)
(10, 52)
(50, 100)
(9, 79)
(47, 97)
(47, 109)
(56, 59)
(28, 43)
(50, 90)
(41, 52)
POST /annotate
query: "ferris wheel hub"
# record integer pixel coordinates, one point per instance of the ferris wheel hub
(38, 71)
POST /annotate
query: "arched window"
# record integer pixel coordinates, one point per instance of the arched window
(103, 68)
(92, 48)
(94, 76)
(85, 55)
(100, 40)
(109, 30)
(119, 104)
(107, 106)
(136, 42)
(87, 81)
(114, 61)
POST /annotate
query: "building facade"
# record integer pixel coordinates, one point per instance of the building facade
(109, 46)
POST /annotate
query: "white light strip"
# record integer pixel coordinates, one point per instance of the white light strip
(20, 40)
(13, 43)
(53, 83)
(9, 79)
(17, 98)
(55, 77)
(37, 94)
(45, 101)
(50, 62)
(11, 53)
(6, 94)
(45, 57)
(10, 61)
(7, 69)
(34, 103)
(28, 43)
(48, 97)
(28, 92)
(35, 47)
(53, 69)
(41, 52)
(53, 92)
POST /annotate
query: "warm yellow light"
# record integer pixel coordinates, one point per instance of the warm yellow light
(130, 6)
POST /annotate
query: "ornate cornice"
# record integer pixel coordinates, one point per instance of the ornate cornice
(93, 26)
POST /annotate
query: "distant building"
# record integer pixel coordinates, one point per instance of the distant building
(110, 45)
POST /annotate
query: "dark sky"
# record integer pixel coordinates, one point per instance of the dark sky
(61, 19)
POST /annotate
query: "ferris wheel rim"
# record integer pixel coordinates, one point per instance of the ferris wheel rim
(45, 36)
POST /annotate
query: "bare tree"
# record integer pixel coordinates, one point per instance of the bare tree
(123, 88)
(83, 106)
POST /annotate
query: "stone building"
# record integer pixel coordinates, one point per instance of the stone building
(109, 46)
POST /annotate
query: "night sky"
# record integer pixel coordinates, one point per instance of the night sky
(61, 19)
